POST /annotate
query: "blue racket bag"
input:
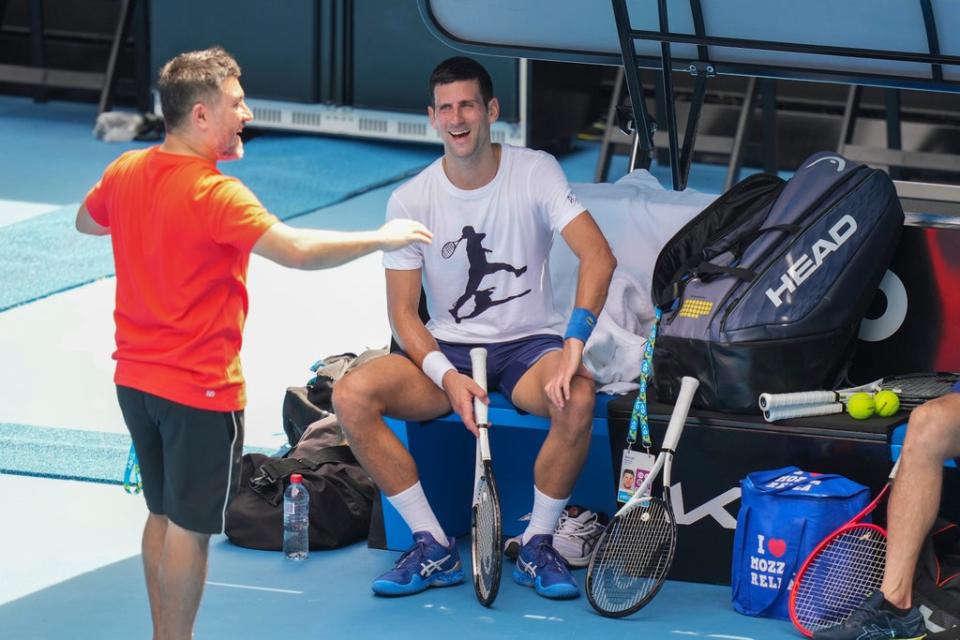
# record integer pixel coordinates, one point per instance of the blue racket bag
(784, 514)
(765, 289)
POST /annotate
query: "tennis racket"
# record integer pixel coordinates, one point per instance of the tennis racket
(635, 551)
(914, 389)
(802, 411)
(486, 527)
(839, 574)
(448, 248)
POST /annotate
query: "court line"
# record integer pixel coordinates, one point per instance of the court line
(252, 588)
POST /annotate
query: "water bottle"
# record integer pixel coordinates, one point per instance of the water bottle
(296, 520)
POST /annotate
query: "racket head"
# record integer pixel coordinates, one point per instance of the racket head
(447, 249)
(916, 388)
(632, 558)
(486, 533)
(838, 576)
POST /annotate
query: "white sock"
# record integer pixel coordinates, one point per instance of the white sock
(416, 512)
(546, 513)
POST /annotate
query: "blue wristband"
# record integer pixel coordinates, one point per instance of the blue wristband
(582, 322)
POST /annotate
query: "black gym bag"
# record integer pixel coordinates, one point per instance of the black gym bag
(341, 493)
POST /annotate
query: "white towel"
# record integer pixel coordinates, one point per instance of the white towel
(637, 216)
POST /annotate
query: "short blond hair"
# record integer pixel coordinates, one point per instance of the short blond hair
(190, 78)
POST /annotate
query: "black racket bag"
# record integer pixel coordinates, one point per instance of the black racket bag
(765, 289)
(936, 584)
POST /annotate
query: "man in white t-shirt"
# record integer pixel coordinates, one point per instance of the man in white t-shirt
(495, 210)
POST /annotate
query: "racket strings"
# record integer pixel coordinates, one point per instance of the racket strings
(634, 558)
(486, 526)
(840, 577)
(914, 391)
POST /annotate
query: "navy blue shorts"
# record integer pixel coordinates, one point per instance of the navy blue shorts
(506, 361)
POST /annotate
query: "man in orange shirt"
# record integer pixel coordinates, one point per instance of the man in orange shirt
(182, 234)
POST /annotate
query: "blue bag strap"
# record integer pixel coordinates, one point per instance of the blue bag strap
(754, 600)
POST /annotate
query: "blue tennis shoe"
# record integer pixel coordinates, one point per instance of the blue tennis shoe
(541, 567)
(426, 564)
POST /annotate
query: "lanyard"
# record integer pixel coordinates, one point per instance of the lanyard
(131, 475)
(639, 414)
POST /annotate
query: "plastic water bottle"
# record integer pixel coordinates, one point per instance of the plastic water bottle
(296, 520)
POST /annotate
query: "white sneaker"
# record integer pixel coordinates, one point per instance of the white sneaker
(574, 538)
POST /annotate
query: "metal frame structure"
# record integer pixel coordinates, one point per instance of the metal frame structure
(38, 75)
(703, 67)
(680, 161)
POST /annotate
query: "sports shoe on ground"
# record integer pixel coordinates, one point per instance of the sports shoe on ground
(574, 538)
(541, 567)
(871, 622)
(426, 564)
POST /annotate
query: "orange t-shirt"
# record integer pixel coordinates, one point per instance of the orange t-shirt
(182, 234)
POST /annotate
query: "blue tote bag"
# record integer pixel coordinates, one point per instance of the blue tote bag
(784, 514)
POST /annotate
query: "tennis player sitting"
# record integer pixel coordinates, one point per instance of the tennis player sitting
(933, 437)
(494, 209)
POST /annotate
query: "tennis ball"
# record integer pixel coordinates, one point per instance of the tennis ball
(887, 403)
(860, 406)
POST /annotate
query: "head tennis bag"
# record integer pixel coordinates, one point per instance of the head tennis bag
(765, 289)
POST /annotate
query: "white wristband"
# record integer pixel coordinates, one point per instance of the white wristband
(436, 365)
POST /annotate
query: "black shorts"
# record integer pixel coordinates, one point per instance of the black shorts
(189, 458)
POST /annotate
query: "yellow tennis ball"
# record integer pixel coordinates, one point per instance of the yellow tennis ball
(860, 406)
(887, 403)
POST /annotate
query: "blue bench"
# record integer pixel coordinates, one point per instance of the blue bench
(896, 445)
(444, 451)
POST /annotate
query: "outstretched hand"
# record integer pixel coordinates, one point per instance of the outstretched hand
(400, 232)
(558, 388)
(461, 390)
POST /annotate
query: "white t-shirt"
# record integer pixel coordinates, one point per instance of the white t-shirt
(495, 284)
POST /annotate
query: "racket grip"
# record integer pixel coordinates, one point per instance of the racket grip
(688, 387)
(770, 401)
(802, 411)
(478, 361)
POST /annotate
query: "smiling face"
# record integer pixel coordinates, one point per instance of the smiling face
(227, 116)
(460, 117)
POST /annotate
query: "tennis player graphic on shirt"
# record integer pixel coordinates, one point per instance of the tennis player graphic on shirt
(479, 267)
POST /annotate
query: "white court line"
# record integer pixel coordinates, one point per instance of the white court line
(14, 210)
(252, 588)
(719, 636)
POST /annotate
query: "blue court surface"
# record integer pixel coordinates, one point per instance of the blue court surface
(255, 594)
(69, 544)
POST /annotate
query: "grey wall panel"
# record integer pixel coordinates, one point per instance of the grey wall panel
(394, 53)
(276, 43)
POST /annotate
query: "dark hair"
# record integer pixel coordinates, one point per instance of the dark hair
(190, 78)
(462, 68)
